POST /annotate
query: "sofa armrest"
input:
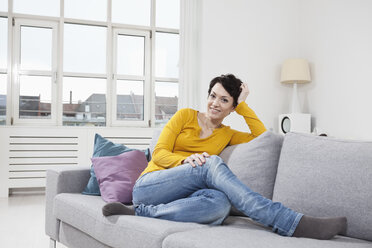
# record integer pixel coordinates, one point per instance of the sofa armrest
(66, 180)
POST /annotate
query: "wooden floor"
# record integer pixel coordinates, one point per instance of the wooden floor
(22, 221)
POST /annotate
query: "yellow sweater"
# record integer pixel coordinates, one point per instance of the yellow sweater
(181, 137)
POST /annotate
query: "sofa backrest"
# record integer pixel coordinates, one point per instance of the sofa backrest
(255, 163)
(327, 177)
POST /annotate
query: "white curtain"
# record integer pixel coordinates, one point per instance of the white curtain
(189, 53)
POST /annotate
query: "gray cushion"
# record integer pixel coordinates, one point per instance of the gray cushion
(321, 176)
(255, 163)
(154, 140)
(239, 232)
(83, 212)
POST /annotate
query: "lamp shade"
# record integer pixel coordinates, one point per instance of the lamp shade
(295, 71)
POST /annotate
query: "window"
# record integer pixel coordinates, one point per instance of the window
(3, 81)
(35, 77)
(131, 76)
(95, 10)
(37, 7)
(84, 101)
(166, 81)
(3, 42)
(3, 5)
(166, 16)
(167, 55)
(166, 101)
(131, 12)
(129, 100)
(84, 81)
(3, 68)
(84, 49)
(92, 66)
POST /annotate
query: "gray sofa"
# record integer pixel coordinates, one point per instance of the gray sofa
(318, 176)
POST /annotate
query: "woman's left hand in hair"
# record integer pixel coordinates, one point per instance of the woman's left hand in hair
(244, 93)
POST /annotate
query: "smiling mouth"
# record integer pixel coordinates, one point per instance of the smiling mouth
(215, 110)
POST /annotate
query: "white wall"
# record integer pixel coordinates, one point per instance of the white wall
(251, 38)
(336, 37)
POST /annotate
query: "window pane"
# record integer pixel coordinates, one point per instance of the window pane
(86, 9)
(3, 78)
(84, 101)
(129, 100)
(35, 97)
(36, 48)
(84, 48)
(131, 55)
(168, 13)
(166, 101)
(3, 42)
(37, 7)
(4, 5)
(136, 12)
(167, 55)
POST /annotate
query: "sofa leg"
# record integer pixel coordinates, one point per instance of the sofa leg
(52, 243)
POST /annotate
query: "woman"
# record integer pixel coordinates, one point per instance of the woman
(185, 180)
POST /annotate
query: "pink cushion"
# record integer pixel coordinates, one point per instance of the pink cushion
(116, 175)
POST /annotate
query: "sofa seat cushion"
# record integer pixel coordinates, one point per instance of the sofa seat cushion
(327, 177)
(84, 212)
(241, 232)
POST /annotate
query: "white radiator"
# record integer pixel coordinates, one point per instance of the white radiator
(27, 152)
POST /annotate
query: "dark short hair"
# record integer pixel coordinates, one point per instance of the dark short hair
(230, 83)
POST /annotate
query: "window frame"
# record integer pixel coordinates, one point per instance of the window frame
(12, 116)
(17, 72)
(145, 78)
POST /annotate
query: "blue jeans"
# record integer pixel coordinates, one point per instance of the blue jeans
(204, 194)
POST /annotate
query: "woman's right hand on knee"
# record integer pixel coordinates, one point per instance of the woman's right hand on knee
(196, 158)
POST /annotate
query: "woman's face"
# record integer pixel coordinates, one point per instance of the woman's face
(220, 103)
